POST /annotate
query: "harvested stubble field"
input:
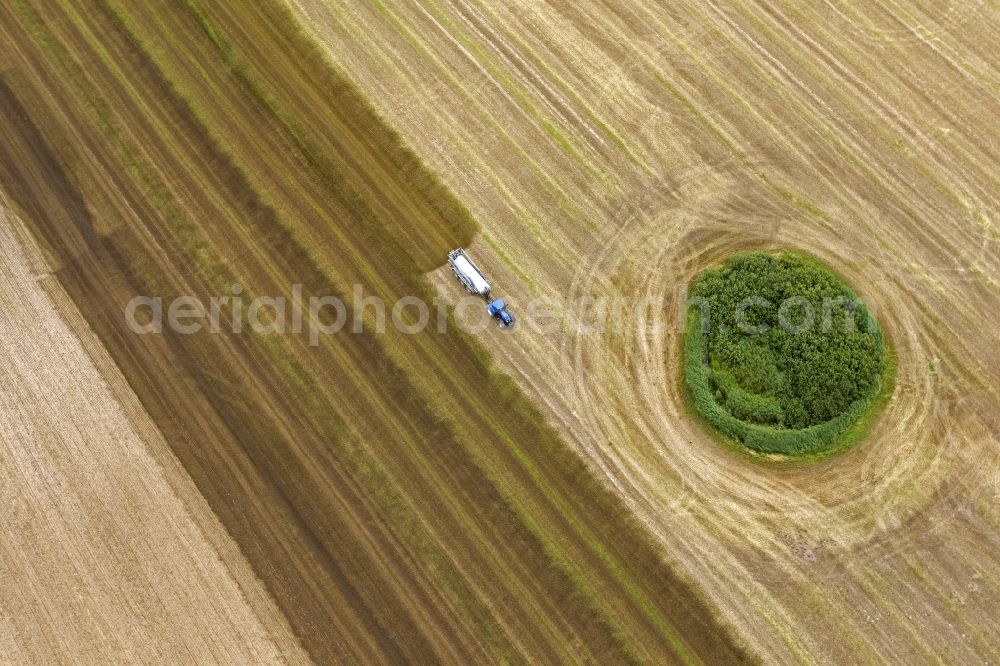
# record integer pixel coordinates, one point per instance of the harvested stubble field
(398, 497)
(615, 149)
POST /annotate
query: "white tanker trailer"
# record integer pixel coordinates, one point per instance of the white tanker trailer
(468, 273)
(474, 280)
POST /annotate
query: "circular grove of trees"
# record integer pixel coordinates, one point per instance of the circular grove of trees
(780, 354)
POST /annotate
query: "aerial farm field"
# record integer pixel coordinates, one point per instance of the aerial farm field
(541, 495)
(611, 151)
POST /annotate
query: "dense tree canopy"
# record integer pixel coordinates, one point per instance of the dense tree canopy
(782, 345)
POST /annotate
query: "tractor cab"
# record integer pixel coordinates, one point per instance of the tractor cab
(498, 310)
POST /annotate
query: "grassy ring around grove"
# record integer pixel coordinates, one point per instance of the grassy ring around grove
(781, 356)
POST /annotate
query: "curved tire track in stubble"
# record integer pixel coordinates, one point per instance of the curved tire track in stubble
(858, 145)
(662, 243)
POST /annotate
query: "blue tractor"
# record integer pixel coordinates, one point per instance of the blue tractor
(498, 310)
